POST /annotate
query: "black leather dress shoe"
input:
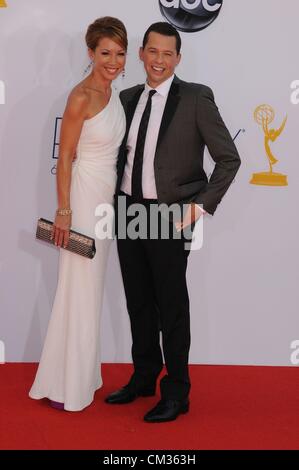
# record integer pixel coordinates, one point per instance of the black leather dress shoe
(167, 410)
(127, 394)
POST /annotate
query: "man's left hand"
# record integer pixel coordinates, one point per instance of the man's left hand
(194, 212)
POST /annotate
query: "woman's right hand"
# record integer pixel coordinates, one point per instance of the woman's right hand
(61, 230)
(75, 113)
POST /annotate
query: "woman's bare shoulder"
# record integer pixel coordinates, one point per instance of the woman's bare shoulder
(78, 99)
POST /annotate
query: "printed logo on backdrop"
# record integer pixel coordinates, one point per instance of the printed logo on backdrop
(295, 93)
(56, 139)
(264, 115)
(190, 16)
(295, 354)
(3, 4)
(238, 134)
(56, 142)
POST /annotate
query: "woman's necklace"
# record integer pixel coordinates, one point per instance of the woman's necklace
(99, 91)
(94, 89)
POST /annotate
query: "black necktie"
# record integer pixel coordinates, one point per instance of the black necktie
(138, 157)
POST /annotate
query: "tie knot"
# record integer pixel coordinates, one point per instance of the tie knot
(151, 93)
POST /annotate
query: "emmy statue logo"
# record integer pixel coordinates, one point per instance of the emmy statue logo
(263, 116)
(3, 4)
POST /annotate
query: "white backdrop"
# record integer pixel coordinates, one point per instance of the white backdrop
(243, 282)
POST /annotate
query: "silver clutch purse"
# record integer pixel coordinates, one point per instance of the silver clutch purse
(78, 243)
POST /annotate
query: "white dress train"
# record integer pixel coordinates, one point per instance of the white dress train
(69, 369)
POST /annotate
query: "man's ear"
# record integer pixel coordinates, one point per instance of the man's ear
(179, 56)
(141, 53)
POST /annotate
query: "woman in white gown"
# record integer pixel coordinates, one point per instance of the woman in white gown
(93, 127)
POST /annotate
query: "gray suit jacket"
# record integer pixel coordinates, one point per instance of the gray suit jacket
(190, 121)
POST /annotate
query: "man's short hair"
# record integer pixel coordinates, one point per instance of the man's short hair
(165, 29)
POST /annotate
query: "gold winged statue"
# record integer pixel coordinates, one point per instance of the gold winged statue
(264, 115)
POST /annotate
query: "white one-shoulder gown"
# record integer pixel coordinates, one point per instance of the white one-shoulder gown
(69, 369)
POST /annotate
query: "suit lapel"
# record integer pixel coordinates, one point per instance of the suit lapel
(131, 107)
(170, 108)
(129, 111)
(169, 111)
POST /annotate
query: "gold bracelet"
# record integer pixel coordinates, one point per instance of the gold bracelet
(64, 212)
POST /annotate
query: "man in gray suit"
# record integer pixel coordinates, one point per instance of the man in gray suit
(169, 123)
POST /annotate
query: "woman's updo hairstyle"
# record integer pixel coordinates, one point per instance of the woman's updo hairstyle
(106, 27)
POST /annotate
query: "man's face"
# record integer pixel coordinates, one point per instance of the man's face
(160, 58)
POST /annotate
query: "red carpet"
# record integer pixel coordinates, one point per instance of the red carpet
(231, 408)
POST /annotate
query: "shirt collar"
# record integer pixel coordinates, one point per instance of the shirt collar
(162, 89)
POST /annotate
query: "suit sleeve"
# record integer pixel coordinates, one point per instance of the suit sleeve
(221, 147)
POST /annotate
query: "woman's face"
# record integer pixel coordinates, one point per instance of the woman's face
(109, 58)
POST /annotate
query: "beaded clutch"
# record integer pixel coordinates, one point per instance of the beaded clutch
(78, 243)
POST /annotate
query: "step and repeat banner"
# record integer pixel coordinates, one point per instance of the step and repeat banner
(243, 282)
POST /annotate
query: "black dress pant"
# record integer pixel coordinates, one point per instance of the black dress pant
(154, 276)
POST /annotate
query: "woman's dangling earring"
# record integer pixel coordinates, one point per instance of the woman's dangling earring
(88, 67)
(123, 74)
